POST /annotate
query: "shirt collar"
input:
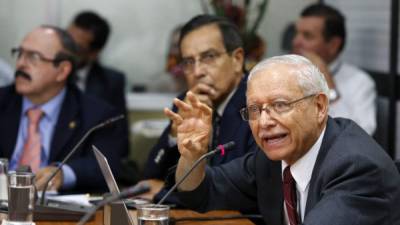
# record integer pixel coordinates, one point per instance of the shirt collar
(51, 108)
(222, 106)
(302, 169)
(335, 65)
(83, 72)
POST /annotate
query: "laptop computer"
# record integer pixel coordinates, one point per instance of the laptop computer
(119, 210)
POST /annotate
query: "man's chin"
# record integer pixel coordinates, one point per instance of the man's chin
(22, 88)
(274, 154)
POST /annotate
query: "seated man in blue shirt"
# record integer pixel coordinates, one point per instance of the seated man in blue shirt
(44, 115)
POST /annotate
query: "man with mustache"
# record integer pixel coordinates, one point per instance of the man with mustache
(44, 115)
(212, 61)
(311, 169)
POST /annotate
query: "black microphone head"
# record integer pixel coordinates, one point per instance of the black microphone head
(229, 145)
(135, 190)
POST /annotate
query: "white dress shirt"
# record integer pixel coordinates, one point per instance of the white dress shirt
(357, 95)
(82, 75)
(301, 171)
(220, 110)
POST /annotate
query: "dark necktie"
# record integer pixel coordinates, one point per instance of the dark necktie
(289, 193)
(216, 130)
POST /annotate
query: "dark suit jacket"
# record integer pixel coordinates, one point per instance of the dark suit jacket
(107, 84)
(232, 128)
(353, 182)
(78, 114)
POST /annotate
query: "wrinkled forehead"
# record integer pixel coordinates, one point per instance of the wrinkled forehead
(274, 79)
(277, 71)
(204, 38)
(43, 40)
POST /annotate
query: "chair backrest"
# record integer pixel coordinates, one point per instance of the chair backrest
(382, 114)
(397, 162)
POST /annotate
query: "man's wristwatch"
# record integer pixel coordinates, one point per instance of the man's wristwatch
(333, 95)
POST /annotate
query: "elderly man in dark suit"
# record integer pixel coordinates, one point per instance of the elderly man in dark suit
(212, 60)
(44, 115)
(90, 31)
(312, 169)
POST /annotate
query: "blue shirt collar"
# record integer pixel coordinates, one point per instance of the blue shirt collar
(51, 108)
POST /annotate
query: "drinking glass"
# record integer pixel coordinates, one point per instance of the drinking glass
(3, 179)
(152, 214)
(21, 196)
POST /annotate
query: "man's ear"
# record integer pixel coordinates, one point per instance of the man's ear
(238, 59)
(322, 103)
(64, 70)
(93, 55)
(334, 45)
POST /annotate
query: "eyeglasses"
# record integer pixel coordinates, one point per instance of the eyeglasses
(33, 57)
(253, 112)
(206, 58)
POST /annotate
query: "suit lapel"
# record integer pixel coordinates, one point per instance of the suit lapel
(231, 120)
(9, 121)
(270, 190)
(314, 190)
(67, 123)
(95, 81)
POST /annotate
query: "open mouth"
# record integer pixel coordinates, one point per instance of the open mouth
(274, 140)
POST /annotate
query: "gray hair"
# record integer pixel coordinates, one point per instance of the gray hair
(309, 77)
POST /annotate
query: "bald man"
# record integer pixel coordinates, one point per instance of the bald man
(43, 115)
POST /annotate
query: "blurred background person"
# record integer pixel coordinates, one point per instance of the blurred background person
(90, 31)
(321, 37)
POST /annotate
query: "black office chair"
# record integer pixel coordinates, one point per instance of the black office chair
(382, 121)
(397, 162)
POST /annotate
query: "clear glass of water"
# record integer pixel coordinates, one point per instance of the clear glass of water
(3, 179)
(152, 214)
(21, 197)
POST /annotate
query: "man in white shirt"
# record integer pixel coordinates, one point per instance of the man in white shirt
(320, 36)
(311, 169)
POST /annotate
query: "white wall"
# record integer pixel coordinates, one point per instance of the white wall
(140, 29)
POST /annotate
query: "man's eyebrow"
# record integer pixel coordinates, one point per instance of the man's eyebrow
(201, 53)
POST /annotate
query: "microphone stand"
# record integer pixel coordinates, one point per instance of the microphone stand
(59, 166)
(222, 148)
(130, 192)
(43, 211)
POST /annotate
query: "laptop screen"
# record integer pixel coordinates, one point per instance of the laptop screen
(106, 171)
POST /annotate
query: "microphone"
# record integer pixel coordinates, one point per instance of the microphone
(89, 132)
(129, 192)
(219, 148)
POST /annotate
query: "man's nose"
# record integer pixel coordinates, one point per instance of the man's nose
(21, 60)
(266, 119)
(198, 69)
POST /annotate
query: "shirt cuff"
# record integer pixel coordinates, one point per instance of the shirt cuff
(69, 177)
(171, 141)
